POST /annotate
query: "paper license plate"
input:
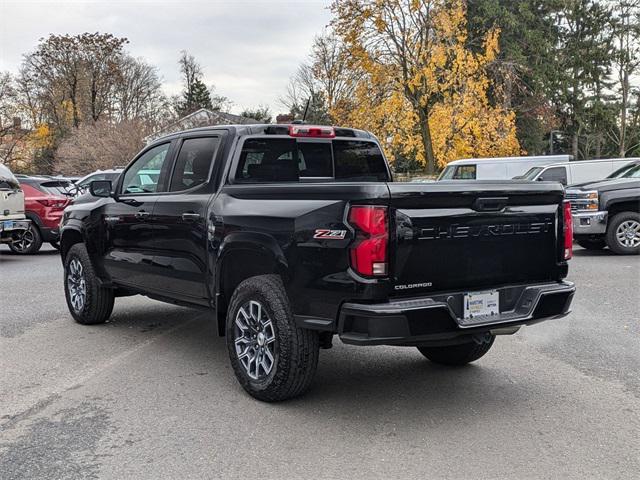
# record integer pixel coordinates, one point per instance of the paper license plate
(480, 304)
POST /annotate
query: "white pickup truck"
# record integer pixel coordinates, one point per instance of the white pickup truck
(13, 222)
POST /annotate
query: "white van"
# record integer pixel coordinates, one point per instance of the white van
(13, 222)
(499, 168)
(571, 173)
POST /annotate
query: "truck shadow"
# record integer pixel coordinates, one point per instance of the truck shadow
(355, 385)
(583, 252)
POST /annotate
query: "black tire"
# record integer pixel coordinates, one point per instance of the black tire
(29, 243)
(295, 350)
(98, 301)
(614, 242)
(592, 243)
(55, 245)
(456, 355)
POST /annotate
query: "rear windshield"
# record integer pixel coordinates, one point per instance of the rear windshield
(58, 187)
(290, 160)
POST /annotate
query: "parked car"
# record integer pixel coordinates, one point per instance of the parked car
(500, 168)
(607, 212)
(45, 199)
(13, 222)
(82, 184)
(629, 170)
(570, 173)
(292, 234)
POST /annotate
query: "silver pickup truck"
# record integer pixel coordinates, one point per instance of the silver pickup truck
(13, 222)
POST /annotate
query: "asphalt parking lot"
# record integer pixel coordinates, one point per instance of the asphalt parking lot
(151, 395)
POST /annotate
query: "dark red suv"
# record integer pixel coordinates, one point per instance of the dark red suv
(44, 202)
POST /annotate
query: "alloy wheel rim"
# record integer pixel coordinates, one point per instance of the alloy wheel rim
(628, 233)
(77, 285)
(255, 340)
(25, 241)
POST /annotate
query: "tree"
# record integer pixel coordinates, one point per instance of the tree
(195, 94)
(626, 34)
(332, 72)
(138, 91)
(584, 63)
(100, 145)
(522, 74)
(261, 113)
(75, 73)
(304, 98)
(419, 87)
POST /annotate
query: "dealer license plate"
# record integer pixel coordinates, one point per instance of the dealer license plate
(481, 304)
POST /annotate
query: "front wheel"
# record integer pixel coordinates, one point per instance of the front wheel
(456, 355)
(623, 233)
(88, 301)
(29, 243)
(271, 357)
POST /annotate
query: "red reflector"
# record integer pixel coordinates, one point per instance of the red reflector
(568, 231)
(311, 131)
(369, 254)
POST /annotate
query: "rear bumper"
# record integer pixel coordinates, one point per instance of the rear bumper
(589, 223)
(10, 229)
(439, 319)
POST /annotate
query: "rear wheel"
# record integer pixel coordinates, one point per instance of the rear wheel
(592, 243)
(457, 355)
(29, 243)
(88, 302)
(623, 233)
(271, 357)
(55, 245)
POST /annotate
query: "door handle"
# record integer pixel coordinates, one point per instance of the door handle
(190, 216)
(141, 215)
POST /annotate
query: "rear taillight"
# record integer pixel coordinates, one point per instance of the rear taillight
(369, 252)
(568, 231)
(53, 202)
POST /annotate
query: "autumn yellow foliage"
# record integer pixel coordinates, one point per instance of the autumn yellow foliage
(420, 89)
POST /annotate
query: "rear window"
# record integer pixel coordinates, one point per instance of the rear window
(55, 187)
(289, 160)
(359, 161)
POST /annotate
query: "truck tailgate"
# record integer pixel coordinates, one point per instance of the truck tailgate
(453, 236)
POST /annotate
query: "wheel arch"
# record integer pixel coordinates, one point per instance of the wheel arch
(623, 205)
(244, 256)
(68, 238)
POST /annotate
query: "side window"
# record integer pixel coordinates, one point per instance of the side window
(194, 163)
(555, 174)
(465, 172)
(143, 176)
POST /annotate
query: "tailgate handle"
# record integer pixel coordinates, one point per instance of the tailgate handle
(490, 204)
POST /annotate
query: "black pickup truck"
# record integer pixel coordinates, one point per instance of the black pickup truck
(291, 234)
(606, 213)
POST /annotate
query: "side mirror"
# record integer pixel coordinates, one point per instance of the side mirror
(101, 188)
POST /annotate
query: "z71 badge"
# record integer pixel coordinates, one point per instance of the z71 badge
(326, 234)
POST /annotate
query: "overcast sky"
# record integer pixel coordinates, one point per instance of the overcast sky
(248, 48)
